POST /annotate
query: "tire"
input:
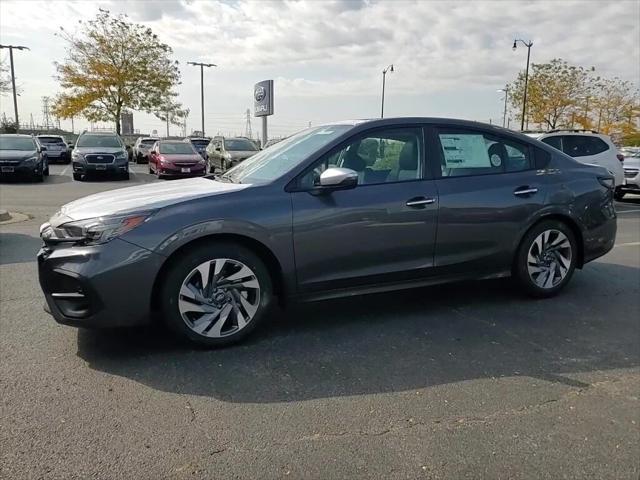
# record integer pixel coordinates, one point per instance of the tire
(232, 259)
(46, 170)
(150, 171)
(77, 177)
(39, 177)
(554, 265)
(618, 195)
(124, 176)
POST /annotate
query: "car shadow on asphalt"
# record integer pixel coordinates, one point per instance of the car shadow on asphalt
(18, 248)
(394, 342)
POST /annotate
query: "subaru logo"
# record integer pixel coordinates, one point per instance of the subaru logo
(260, 93)
(100, 157)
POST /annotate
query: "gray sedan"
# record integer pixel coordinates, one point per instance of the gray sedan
(342, 209)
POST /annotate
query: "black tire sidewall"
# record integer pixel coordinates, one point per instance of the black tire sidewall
(182, 266)
(520, 268)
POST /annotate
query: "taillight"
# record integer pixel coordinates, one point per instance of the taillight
(608, 182)
(620, 157)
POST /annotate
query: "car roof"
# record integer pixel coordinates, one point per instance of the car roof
(24, 135)
(46, 135)
(590, 133)
(102, 134)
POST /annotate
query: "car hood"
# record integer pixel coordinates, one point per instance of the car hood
(140, 198)
(86, 150)
(195, 157)
(632, 162)
(17, 154)
(241, 154)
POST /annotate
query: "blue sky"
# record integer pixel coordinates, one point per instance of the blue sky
(327, 56)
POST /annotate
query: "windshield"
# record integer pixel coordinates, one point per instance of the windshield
(239, 144)
(177, 148)
(51, 140)
(148, 141)
(17, 143)
(278, 159)
(108, 141)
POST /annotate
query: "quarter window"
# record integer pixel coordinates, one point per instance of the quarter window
(583, 145)
(474, 153)
(382, 157)
(555, 142)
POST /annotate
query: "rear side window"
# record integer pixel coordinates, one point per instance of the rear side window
(583, 145)
(555, 142)
(475, 153)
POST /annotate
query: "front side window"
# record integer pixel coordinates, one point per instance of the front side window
(475, 153)
(583, 145)
(386, 156)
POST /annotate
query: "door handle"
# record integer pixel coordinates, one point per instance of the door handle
(420, 201)
(525, 191)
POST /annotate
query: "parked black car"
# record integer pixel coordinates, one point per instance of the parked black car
(200, 144)
(57, 149)
(341, 209)
(22, 155)
(100, 154)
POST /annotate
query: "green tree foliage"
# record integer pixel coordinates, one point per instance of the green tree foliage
(560, 95)
(112, 65)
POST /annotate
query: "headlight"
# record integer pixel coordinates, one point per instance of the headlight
(94, 231)
(76, 155)
(121, 155)
(31, 160)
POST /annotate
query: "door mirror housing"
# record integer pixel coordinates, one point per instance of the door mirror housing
(335, 178)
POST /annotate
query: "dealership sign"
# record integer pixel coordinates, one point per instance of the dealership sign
(263, 98)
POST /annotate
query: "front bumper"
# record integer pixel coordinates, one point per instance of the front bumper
(631, 182)
(21, 169)
(107, 285)
(100, 168)
(173, 170)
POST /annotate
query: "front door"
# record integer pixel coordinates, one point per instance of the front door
(382, 230)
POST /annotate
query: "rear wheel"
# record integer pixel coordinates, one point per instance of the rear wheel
(216, 294)
(546, 258)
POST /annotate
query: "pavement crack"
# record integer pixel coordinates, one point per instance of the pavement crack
(192, 412)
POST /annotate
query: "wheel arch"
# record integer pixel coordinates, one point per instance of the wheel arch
(567, 220)
(266, 255)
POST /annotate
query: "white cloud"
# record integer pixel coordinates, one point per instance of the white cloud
(336, 50)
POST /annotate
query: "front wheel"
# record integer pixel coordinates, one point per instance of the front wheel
(546, 258)
(216, 294)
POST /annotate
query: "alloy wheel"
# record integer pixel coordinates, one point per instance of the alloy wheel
(549, 258)
(219, 297)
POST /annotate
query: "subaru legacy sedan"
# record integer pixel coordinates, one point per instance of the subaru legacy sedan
(349, 208)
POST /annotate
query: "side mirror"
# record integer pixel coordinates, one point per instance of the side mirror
(337, 179)
(43, 149)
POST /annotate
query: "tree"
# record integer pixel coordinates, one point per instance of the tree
(554, 91)
(113, 65)
(5, 79)
(616, 105)
(172, 113)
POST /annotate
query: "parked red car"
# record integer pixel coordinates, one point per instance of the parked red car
(174, 158)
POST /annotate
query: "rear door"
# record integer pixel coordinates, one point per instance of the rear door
(489, 192)
(383, 230)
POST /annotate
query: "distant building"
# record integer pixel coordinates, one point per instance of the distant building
(126, 123)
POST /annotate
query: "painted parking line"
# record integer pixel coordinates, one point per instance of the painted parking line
(64, 170)
(629, 244)
(628, 211)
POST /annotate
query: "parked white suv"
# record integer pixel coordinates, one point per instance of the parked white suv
(631, 175)
(588, 146)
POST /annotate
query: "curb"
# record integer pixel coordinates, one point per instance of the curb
(12, 217)
(4, 216)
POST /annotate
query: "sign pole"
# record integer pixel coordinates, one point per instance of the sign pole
(264, 131)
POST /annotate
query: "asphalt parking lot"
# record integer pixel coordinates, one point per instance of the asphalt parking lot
(459, 381)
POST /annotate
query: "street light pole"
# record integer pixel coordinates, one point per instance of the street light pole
(13, 80)
(506, 96)
(384, 75)
(202, 65)
(528, 44)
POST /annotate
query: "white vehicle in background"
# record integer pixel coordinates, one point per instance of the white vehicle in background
(588, 146)
(631, 175)
(141, 149)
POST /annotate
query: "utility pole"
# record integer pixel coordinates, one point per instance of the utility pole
(247, 129)
(167, 122)
(528, 44)
(13, 80)
(202, 65)
(384, 76)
